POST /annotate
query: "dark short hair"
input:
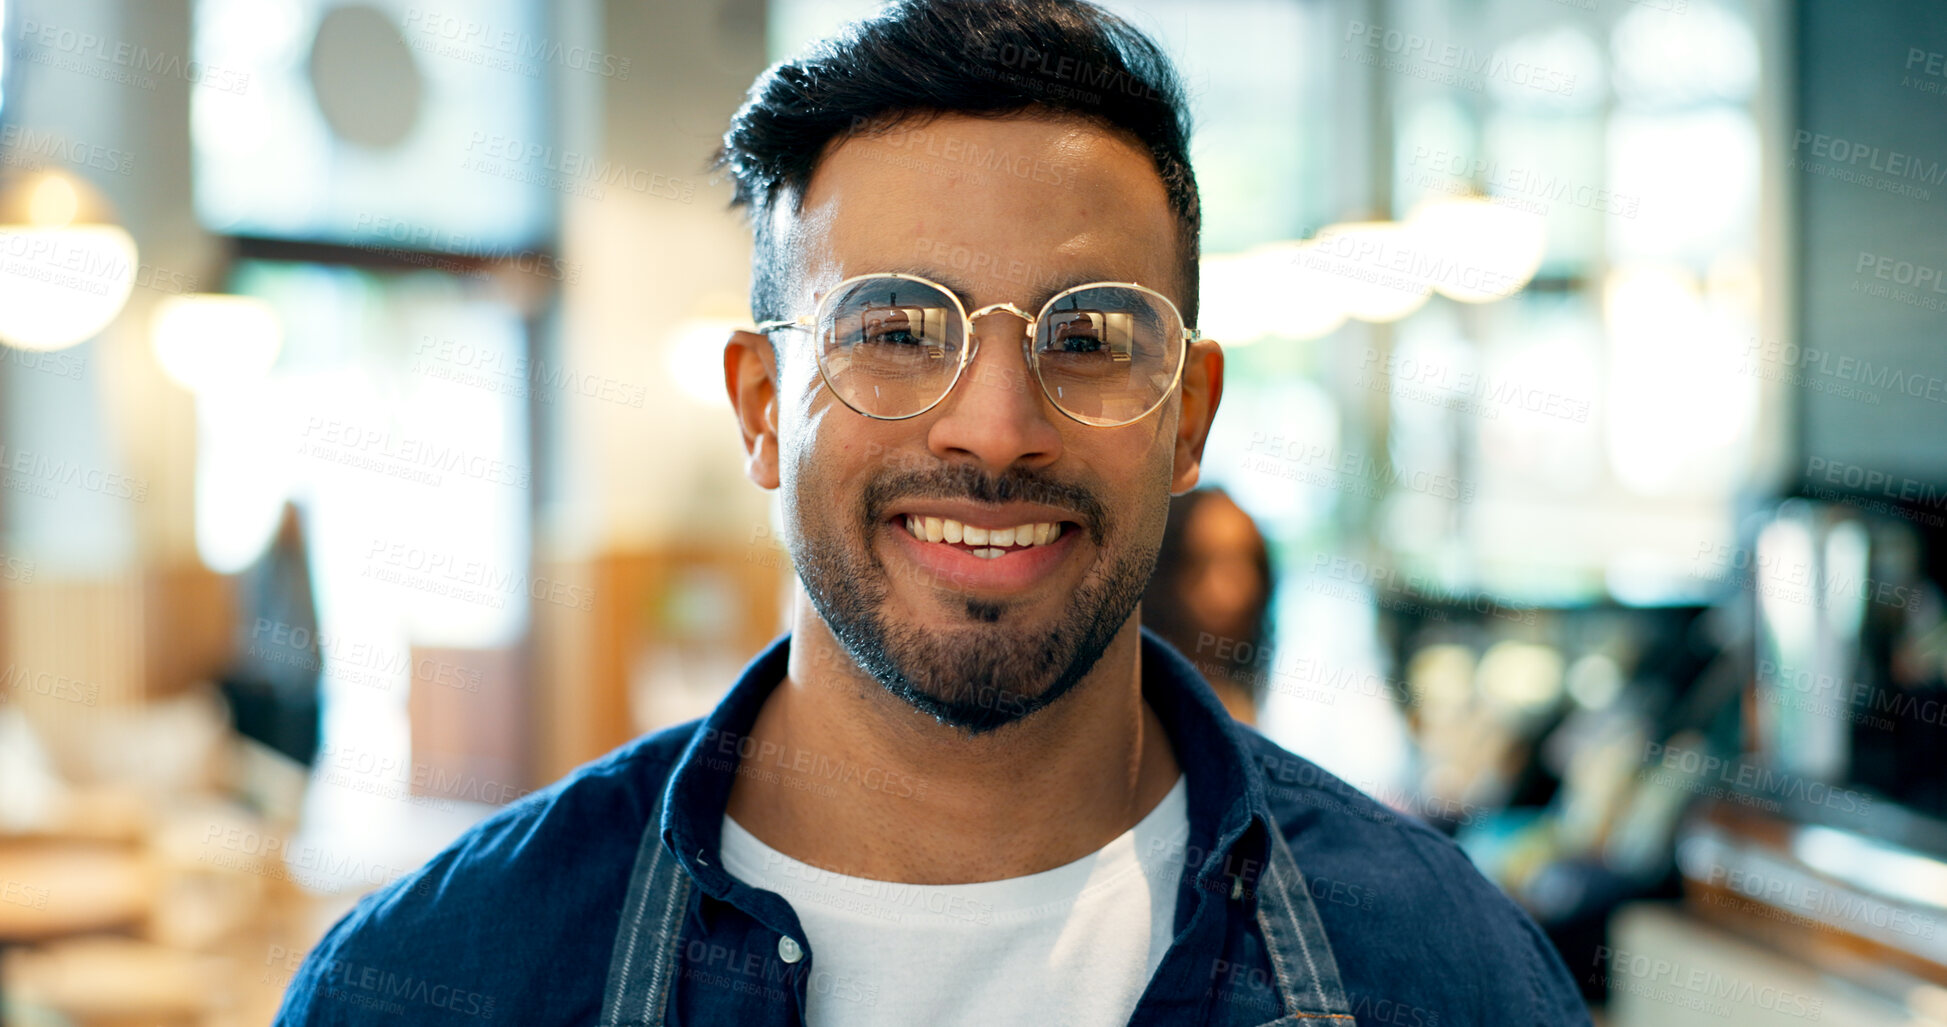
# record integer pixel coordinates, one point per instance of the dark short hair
(916, 59)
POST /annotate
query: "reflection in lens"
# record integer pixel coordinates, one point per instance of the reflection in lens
(1108, 354)
(890, 347)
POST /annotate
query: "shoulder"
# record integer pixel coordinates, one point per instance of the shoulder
(1421, 937)
(515, 917)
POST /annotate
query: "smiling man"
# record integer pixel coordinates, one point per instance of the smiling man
(966, 788)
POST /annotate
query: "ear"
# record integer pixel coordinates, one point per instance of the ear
(1203, 387)
(750, 376)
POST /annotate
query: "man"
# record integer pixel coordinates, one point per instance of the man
(965, 789)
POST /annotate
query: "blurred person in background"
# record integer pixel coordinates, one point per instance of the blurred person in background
(966, 788)
(1211, 595)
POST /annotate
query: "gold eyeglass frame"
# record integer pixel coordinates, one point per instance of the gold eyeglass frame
(809, 322)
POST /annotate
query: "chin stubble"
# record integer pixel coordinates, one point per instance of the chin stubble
(981, 673)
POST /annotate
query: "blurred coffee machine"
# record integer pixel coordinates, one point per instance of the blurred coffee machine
(1851, 649)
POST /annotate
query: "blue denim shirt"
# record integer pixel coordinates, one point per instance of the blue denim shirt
(515, 921)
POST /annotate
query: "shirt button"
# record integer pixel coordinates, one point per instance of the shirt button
(789, 950)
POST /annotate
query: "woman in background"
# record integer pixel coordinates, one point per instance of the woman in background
(1211, 595)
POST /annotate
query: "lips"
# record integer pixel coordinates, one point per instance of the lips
(963, 547)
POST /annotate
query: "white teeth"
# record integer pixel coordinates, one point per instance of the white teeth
(994, 541)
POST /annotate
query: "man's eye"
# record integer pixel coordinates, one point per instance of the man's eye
(1079, 343)
(892, 337)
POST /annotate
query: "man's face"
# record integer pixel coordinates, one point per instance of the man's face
(999, 210)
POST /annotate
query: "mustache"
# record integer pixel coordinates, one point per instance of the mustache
(965, 481)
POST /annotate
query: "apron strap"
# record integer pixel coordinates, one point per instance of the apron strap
(1301, 957)
(642, 965)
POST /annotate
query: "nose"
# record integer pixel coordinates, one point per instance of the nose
(996, 416)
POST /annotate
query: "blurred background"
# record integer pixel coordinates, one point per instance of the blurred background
(364, 463)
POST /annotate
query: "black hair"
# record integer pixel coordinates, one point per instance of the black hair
(916, 59)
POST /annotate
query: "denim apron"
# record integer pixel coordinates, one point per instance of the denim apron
(643, 964)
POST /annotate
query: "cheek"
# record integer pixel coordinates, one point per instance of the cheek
(1136, 460)
(805, 418)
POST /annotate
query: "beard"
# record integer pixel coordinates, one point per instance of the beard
(976, 675)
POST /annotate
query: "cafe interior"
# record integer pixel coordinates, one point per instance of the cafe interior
(366, 464)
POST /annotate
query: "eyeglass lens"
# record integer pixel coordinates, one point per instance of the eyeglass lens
(891, 347)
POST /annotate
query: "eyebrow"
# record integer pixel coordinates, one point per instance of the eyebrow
(961, 290)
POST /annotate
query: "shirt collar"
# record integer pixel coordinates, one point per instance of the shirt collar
(1226, 793)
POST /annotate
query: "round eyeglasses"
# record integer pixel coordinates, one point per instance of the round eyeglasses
(892, 346)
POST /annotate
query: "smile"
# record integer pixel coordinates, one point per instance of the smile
(944, 545)
(985, 543)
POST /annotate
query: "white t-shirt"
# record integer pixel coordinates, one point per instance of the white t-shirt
(1073, 946)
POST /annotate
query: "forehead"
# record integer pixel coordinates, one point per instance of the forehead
(1001, 209)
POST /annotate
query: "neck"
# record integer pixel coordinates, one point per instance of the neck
(850, 778)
